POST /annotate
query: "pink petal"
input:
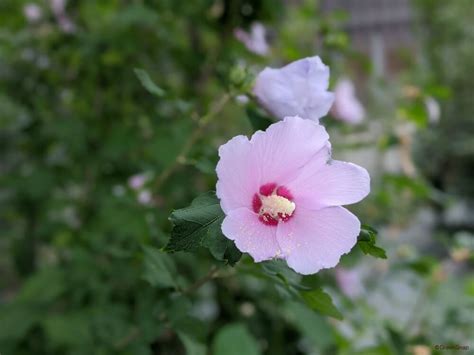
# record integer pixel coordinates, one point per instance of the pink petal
(286, 146)
(346, 105)
(250, 235)
(255, 40)
(238, 177)
(314, 240)
(350, 282)
(333, 184)
(297, 89)
(319, 105)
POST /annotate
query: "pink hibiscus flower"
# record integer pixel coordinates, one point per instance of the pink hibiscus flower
(282, 193)
(346, 106)
(298, 89)
(254, 40)
(32, 12)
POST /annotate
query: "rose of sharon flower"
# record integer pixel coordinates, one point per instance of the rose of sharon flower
(282, 193)
(59, 10)
(254, 40)
(32, 12)
(349, 281)
(347, 107)
(298, 89)
(137, 181)
(145, 197)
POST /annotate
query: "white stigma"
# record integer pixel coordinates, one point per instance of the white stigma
(277, 206)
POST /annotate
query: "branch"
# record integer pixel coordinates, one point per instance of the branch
(203, 122)
(213, 272)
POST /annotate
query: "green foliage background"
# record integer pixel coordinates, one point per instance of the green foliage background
(81, 261)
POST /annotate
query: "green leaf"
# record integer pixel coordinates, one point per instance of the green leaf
(373, 250)
(232, 255)
(20, 318)
(234, 339)
(192, 346)
(375, 350)
(43, 287)
(221, 247)
(397, 342)
(191, 331)
(403, 183)
(366, 242)
(312, 325)
(438, 91)
(160, 270)
(321, 302)
(423, 266)
(415, 112)
(257, 119)
(280, 272)
(148, 84)
(191, 224)
(69, 329)
(469, 286)
(199, 225)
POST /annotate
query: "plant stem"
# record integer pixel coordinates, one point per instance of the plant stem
(202, 124)
(131, 336)
(209, 276)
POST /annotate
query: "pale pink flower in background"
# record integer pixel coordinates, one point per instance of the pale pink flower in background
(349, 281)
(59, 10)
(346, 106)
(282, 193)
(137, 181)
(58, 6)
(297, 89)
(66, 24)
(255, 40)
(433, 109)
(242, 99)
(145, 197)
(32, 12)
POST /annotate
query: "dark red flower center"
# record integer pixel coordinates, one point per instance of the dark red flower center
(273, 204)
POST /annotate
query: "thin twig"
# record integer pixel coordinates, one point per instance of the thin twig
(202, 124)
(133, 334)
(213, 272)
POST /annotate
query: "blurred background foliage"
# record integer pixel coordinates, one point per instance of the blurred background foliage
(82, 271)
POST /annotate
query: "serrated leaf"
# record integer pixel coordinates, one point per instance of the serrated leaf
(258, 120)
(282, 275)
(373, 250)
(321, 302)
(191, 224)
(234, 339)
(367, 242)
(232, 255)
(221, 247)
(160, 270)
(147, 83)
(199, 225)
